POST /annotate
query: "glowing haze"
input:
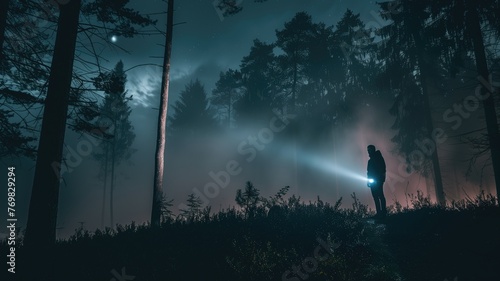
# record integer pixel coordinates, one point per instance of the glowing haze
(332, 168)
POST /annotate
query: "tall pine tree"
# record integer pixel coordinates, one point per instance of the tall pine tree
(192, 113)
(42, 217)
(227, 90)
(409, 48)
(114, 114)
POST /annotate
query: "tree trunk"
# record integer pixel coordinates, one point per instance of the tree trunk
(42, 217)
(335, 163)
(489, 103)
(105, 183)
(438, 181)
(112, 184)
(294, 88)
(162, 122)
(4, 8)
(295, 128)
(229, 111)
(425, 79)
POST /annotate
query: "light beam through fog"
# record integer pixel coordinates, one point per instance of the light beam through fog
(329, 166)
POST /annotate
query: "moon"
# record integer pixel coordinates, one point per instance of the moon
(114, 38)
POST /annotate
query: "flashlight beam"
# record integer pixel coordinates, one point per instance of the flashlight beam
(323, 164)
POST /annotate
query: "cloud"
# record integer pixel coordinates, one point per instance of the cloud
(144, 84)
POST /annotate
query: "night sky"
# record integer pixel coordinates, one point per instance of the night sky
(203, 46)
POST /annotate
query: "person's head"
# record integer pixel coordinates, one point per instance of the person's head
(371, 150)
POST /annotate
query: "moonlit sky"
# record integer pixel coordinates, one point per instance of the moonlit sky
(205, 45)
(202, 47)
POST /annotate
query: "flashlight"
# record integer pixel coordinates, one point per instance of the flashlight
(370, 182)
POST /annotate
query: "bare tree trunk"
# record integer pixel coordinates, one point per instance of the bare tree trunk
(162, 121)
(423, 64)
(438, 181)
(105, 183)
(295, 157)
(295, 128)
(4, 8)
(488, 103)
(229, 111)
(112, 185)
(294, 87)
(337, 191)
(42, 217)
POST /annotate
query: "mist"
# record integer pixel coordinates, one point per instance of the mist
(273, 149)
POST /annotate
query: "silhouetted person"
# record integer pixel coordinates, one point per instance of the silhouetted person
(376, 179)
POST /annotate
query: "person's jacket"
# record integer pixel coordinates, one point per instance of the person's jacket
(376, 167)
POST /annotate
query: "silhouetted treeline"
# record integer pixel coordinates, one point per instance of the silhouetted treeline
(327, 75)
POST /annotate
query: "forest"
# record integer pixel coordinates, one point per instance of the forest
(227, 139)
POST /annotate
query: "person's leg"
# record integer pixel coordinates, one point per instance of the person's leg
(381, 197)
(375, 195)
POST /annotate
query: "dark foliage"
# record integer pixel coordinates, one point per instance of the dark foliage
(427, 242)
(192, 112)
(12, 141)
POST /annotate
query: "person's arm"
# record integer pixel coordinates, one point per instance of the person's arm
(369, 171)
